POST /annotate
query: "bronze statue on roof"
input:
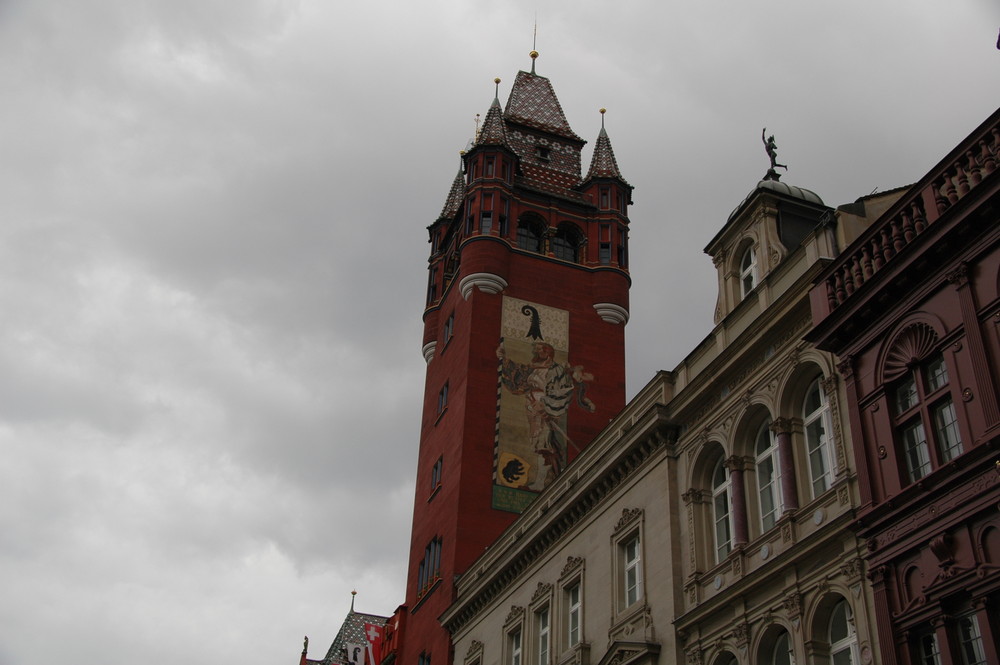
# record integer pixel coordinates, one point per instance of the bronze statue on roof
(772, 152)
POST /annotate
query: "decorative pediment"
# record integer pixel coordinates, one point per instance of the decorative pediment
(573, 563)
(516, 615)
(541, 591)
(475, 651)
(629, 516)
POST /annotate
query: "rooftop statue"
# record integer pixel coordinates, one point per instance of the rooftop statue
(772, 152)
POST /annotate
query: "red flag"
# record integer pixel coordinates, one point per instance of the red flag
(373, 635)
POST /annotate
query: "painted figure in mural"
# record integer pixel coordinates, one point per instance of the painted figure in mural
(548, 388)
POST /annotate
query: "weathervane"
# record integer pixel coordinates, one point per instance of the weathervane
(772, 153)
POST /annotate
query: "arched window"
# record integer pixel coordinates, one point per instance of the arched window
(722, 511)
(781, 652)
(748, 272)
(842, 637)
(815, 421)
(529, 235)
(566, 243)
(768, 476)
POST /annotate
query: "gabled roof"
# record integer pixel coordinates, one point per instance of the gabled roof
(603, 164)
(352, 631)
(533, 102)
(455, 196)
(493, 132)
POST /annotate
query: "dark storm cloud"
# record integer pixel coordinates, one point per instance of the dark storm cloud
(213, 252)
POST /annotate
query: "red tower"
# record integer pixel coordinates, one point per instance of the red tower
(524, 337)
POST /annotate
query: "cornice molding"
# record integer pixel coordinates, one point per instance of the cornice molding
(484, 281)
(611, 312)
(428, 351)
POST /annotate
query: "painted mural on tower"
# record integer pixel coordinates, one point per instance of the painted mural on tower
(536, 389)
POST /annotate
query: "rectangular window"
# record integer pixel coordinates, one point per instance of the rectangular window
(926, 419)
(918, 461)
(574, 610)
(622, 251)
(946, 426)
(485, 222)
(443, 399)
(605, 198)
(449, 329)
(432, 286)
(489, 167)
(632, 572)
(429, 570)
(971, 641)
(927, 649)
(542, 621)
(436, 473)
(424, 659)
(514, 647)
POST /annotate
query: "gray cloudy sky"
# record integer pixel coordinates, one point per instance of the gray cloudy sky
(213, 254)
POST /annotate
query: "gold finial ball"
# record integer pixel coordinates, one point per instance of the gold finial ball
(603, 111)
(461, 153)
(354, 592)
(533, 54)
(497, 80)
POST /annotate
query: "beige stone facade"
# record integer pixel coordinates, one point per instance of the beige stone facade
(708, 523)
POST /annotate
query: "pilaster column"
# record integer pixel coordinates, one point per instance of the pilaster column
(782, 428)
(940, 624)
(959, 277)
(738, 488)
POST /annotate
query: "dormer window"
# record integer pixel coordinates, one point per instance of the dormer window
(748, 272)
(542, 153)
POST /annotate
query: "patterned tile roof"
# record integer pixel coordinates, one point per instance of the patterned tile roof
(455, 197)
(352, 631)
(533, 102)
(494, 131)
(603, 164)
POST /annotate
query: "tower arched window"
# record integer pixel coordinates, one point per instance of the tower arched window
(819, 447)
(842, 636)
(566, 243)
(748, 272)
(722, 516)
(529, 235)
(768, 476)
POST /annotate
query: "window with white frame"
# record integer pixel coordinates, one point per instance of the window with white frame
(543, 626)
(768, 476)
(722, 511)
(926, 421)
(927, 649)
(816, 423)
(632, 573)
(748, 272)
(842, 636)
(514, 647)
(574, 614)
(970, 641)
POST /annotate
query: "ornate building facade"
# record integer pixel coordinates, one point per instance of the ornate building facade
(913, 309)
(708, 523)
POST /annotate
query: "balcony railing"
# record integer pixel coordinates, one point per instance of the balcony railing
(967, 166)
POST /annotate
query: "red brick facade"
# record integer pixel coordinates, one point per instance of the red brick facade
(519, 223)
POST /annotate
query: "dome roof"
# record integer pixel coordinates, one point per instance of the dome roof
(784, 189)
